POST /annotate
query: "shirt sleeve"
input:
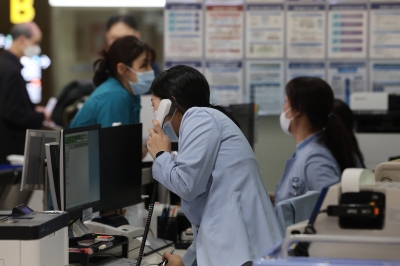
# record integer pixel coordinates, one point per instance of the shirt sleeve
(15, 108)
(114, 108)
(321, 171)
(199, 143)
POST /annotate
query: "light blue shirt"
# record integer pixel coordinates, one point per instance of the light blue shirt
(218, 178)
(109, 103)
(312, 167)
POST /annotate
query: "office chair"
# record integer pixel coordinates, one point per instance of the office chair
(296, 209)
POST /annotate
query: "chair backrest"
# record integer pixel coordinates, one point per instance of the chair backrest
(296, 209)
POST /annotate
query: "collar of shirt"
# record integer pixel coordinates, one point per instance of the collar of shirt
(307, 141)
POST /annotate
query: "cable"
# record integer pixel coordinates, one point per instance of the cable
(155, 251)
(147, 227)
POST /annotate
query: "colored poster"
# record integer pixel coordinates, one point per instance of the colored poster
(183, 30)
(195, 64)
(226, 82)
(265, 83)
(309, 69)
(385, 31)
(224, 32)
(263, 1)
(347, 31)
(346, 78)
(264, 31)
(305, 34)
(385, 77)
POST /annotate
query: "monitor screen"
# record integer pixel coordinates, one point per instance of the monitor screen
(33, 169)
(244, 115)
(81, 160)
(121, 166)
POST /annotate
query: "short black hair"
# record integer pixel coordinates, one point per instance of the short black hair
(127, 19)
(21, 29)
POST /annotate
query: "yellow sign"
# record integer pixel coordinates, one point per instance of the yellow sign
(21, 11)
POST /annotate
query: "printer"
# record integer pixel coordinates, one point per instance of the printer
(30, 238)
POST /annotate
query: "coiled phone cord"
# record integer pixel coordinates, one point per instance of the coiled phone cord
(147, 227)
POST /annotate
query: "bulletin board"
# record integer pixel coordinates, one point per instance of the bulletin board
(249, 49)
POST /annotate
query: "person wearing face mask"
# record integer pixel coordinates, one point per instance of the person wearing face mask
(121, 76)
(215, 173)
(324, 146)
(17, 112)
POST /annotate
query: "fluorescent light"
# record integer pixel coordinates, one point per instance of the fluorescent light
(107, 3)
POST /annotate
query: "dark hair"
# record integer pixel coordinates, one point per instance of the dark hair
(343, 111)
(314, 97)
(21, 29)
(129, 20)
(123, 50)
(188, 86)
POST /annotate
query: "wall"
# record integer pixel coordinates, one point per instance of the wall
(272, 149)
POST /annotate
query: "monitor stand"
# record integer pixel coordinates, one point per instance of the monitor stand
(78, 229)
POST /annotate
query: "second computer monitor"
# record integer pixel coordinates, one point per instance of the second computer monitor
(81, 169)
(121, 166)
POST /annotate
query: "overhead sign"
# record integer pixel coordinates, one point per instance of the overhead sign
(21, 11)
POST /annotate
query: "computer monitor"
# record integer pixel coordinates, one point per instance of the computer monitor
(121, 166)
(33, 168)
(80, 174)
(245, 116)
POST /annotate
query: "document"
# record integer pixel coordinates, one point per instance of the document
(385, 76)
(194, 64)
(265, 84)
(385, 30)
(347, 31)
(346, 78)
(305, 34)
(226, 82)
(183, 30)
(309, 69)
(264, 31)
(224, 31)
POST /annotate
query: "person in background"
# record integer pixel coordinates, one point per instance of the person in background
(17, 112)
(122, 74)
(343, 111)
(215, 173)
(324, 146)
(125, 25)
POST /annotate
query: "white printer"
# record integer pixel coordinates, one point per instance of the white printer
(29, 238)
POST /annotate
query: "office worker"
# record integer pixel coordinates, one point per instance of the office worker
(125, 25)
(17, 112)
(343, 111)
(324, 147)
(216, 174)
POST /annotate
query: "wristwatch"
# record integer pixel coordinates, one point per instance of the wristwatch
(158, 154)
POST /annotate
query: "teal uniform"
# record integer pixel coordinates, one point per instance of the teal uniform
(108, 104)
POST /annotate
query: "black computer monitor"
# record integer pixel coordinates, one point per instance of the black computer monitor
(80, 174)
(245, 116)
(121, 166)
(33, 168)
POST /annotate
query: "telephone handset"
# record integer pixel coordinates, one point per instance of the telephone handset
(163, 110)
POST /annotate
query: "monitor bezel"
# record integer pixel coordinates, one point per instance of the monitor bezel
(27, 150)
(75, 213)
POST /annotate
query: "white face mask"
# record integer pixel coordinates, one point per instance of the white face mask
(169, 130)
(32, 50)
(285, 122)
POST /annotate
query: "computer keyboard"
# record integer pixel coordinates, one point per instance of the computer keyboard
(122, 262)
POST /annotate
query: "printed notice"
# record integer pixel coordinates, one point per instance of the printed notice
(265, 83)
(306, 31)
(194, 64)
(385, 31)
(264, 31)
(183, 30)
(346, 78)
(226, 82)
(264, 1)
(385, 77)
(347, 29)
(309, 69)
(224, 32)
